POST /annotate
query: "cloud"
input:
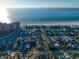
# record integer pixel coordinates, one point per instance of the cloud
(40, 3)
(5, 2)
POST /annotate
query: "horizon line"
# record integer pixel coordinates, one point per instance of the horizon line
(35, 7)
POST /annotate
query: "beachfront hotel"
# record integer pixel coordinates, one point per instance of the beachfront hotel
(9, 27)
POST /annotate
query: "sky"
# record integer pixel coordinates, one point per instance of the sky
(39, 3)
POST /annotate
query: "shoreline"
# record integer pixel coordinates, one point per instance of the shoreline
(52, 23)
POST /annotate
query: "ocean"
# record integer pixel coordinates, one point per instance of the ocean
(43, 15)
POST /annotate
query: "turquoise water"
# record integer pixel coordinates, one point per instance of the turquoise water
(32, 15)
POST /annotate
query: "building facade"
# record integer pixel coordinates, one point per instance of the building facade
(9, 27)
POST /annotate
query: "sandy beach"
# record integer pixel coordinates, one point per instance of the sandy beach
(53, 23)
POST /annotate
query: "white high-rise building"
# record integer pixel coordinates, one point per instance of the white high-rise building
(11, 26)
